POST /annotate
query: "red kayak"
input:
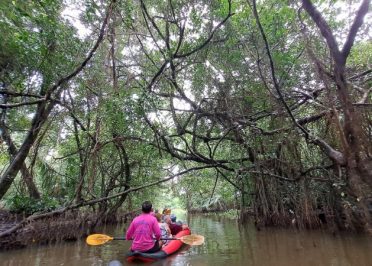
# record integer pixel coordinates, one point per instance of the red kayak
(170, 248)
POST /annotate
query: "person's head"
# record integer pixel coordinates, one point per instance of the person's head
(158, 217)
(146, 207)
(173, 218)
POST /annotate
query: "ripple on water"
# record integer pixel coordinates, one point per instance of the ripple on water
(226, 244)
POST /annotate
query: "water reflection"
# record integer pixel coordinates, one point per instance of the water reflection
(226, 243)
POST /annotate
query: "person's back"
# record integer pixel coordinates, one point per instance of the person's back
(142, 229)
(174, 228)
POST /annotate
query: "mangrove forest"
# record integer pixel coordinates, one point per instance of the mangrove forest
(260, 111)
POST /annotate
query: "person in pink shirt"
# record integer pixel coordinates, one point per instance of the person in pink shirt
(143, 229)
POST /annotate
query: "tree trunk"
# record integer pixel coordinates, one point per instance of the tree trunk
(356, 149)
(127, 173)
(28, 179)
(83, 158)
(26, 175)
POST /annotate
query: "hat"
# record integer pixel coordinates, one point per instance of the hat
(173, 218)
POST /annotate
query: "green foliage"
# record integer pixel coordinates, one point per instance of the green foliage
(361, 55)
(98, 131)
(23, 204)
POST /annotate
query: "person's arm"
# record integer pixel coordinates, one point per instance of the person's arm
(130, 231)
(156, 229)
(168, 229)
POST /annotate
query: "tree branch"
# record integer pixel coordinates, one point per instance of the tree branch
(15, 105)
(91, 202)
(358, 21)
(325, 30)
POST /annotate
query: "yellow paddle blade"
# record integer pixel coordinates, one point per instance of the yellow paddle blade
(98, 239)
(192, 240)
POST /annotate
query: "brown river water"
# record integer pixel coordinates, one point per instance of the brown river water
(226, 244)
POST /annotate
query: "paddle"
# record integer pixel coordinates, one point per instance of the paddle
(99, 239)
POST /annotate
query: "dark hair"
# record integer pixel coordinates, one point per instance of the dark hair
(146, 207)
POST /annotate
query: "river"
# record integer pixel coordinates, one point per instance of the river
(226, 244)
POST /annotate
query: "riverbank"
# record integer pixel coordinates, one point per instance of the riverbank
(233, 214)
(68, 226)
(73, 225)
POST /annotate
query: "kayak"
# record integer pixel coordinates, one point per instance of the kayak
(166, 250)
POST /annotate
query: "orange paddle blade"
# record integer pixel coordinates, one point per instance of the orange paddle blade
(192, 240)
(98, 239)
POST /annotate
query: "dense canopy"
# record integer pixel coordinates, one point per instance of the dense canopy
(261, 106)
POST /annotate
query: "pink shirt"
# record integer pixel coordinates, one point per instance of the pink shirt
(141, 230)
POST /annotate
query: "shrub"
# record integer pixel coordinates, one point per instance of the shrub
(27, 205)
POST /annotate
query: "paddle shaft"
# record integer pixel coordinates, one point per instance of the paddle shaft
(99, 239)
(123, 238)
(119, 238)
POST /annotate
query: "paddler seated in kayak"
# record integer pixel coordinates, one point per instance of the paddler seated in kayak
(165, 212)
(142, 229)
(164, 229)
(174, 219)
(174, 227)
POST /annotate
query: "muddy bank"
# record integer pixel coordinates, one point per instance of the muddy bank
(68, 226)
